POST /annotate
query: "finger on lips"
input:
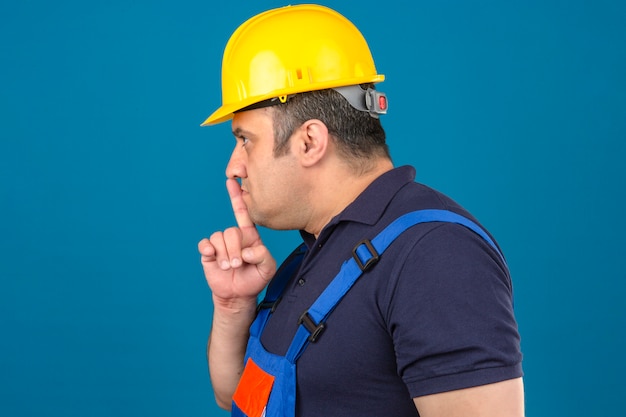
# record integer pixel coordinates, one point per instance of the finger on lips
(226, 247)
(239, 206)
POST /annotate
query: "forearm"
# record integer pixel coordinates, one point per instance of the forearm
(227, 346)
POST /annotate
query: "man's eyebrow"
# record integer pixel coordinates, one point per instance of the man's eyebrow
(237, 132)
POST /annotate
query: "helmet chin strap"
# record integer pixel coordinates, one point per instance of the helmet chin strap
(365, 99)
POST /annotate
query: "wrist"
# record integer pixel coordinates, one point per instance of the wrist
(232, 318)
(236, 306)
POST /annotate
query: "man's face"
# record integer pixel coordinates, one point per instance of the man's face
(269, 184)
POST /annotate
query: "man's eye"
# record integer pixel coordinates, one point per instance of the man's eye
(244, 140)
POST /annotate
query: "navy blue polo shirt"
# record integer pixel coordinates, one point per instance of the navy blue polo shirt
(434, 314)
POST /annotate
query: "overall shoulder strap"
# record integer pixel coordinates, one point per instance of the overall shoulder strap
(364, 255)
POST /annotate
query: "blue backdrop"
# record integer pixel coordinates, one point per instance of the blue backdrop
(107, 182)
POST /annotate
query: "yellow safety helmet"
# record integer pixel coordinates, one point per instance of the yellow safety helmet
(290, 50)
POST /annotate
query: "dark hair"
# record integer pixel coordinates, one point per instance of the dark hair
(359, 137)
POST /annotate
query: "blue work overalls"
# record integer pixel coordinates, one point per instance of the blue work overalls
(267, 387)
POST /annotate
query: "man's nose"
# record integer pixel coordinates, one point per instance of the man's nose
(236, 167)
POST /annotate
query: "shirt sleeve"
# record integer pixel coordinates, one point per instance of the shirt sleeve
(450, 314)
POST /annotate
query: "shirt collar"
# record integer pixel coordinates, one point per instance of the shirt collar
(370, 205)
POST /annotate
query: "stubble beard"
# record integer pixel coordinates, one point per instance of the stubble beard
(279, 219)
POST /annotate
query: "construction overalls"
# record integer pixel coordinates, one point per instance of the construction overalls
(267, 387)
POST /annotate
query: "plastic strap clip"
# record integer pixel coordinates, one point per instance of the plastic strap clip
(313, 328)
(373, 255)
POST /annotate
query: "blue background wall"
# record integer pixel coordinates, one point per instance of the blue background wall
(107, 182)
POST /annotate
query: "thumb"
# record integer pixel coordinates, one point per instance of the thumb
(262, 259)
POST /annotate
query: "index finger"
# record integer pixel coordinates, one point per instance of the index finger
(239, 206)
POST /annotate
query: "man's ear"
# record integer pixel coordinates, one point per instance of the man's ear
(313, 142)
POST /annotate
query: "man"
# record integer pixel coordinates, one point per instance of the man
(422, 325)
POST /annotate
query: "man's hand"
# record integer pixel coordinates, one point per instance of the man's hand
(236, 264)
(237, 267)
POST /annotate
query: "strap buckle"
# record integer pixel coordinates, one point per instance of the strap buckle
(268, 304)
(373, 255)
(313, 328)
(365, 98)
